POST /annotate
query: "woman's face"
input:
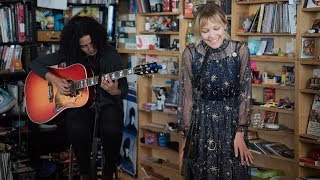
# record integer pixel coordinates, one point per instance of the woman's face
(87, 46)
(213, 34)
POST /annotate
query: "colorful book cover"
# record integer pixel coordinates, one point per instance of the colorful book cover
(314, 117)
(308, 48)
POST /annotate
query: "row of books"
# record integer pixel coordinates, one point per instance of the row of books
(11, 58)
(13, 22)
(275, 18)
(307, 160)
(261, 146)
(146, 6)
(88, 1)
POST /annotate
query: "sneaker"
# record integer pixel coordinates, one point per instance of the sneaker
(6, 101)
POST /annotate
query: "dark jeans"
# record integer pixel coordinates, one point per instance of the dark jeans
(79, 126)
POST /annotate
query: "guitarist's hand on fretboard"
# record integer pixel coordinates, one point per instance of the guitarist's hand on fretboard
(62, 84)
(110, 86)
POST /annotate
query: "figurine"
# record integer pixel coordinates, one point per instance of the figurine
(161, 97)
(246, 24)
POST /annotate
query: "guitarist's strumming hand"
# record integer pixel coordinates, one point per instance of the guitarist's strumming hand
(62, 84)
(110, 86)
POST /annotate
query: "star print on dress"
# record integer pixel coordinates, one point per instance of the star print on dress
(214, 169)
(227, 108)
(213, 78)
(212, 146)
(215, 116)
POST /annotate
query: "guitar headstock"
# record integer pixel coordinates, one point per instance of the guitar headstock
(147, 69)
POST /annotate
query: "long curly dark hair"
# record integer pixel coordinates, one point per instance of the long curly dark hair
(76, 28)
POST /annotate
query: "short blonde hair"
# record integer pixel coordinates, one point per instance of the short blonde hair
(208, 12)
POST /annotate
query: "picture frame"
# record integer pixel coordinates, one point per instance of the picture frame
(270, 117)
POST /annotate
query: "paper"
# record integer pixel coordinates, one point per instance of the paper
(52, 4)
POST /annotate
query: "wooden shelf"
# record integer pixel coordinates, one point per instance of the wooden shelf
(160, 14)
(309, 139)
(266, 156)
(259, 2)
(164, 165)
(264, 34)
(309, 165)
(277, 59)
(273, 109)
(156, 111)
(273, 86)
(316, 9)
(310, 34)
(89, 4)
(156, 128)
(309, 91)
(126, 51)
(160, 32)
(156, 147)
(165, 76)
(160, 52)
(272, 132)
(310, 62)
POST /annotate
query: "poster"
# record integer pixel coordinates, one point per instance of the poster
(128, 149)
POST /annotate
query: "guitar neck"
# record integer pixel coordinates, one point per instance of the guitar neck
(95, 79)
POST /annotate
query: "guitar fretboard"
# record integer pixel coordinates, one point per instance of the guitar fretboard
(95, 79)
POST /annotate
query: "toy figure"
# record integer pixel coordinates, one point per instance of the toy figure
(161, 97)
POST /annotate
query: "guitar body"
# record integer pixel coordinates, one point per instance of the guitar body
(40, 108)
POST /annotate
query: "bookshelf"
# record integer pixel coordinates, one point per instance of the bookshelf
(287, 118)
(17, 18)
(306, 142)
(152, 120)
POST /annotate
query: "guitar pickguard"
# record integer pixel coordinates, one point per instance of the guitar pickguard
(62, 101)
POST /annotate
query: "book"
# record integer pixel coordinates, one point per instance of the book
(269, 95)
(313, 3)
(277, 148)
(254, 149)
(314, 117)
(308, 160)
(260, 144)
(254, 24)
(144, 41)
(261, 16)
(270, 117)
(153, 4)
(308, 47)
(253, 45)
(269, 45)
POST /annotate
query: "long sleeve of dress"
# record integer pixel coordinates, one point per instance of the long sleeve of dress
(245, 89)
(185, 92)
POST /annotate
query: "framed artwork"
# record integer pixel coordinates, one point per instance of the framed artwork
(270, 117)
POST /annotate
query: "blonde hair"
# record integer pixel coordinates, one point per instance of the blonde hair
(208, 12)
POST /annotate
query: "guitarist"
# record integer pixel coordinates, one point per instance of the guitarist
(84, 40)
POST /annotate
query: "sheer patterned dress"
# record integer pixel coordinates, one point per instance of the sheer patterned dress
(218, 109)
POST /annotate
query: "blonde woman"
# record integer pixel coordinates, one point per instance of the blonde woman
(214, 101)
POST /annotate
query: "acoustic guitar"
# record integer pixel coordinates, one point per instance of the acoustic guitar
(44, 102)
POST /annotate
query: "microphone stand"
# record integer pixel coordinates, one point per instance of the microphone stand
(95, 139)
